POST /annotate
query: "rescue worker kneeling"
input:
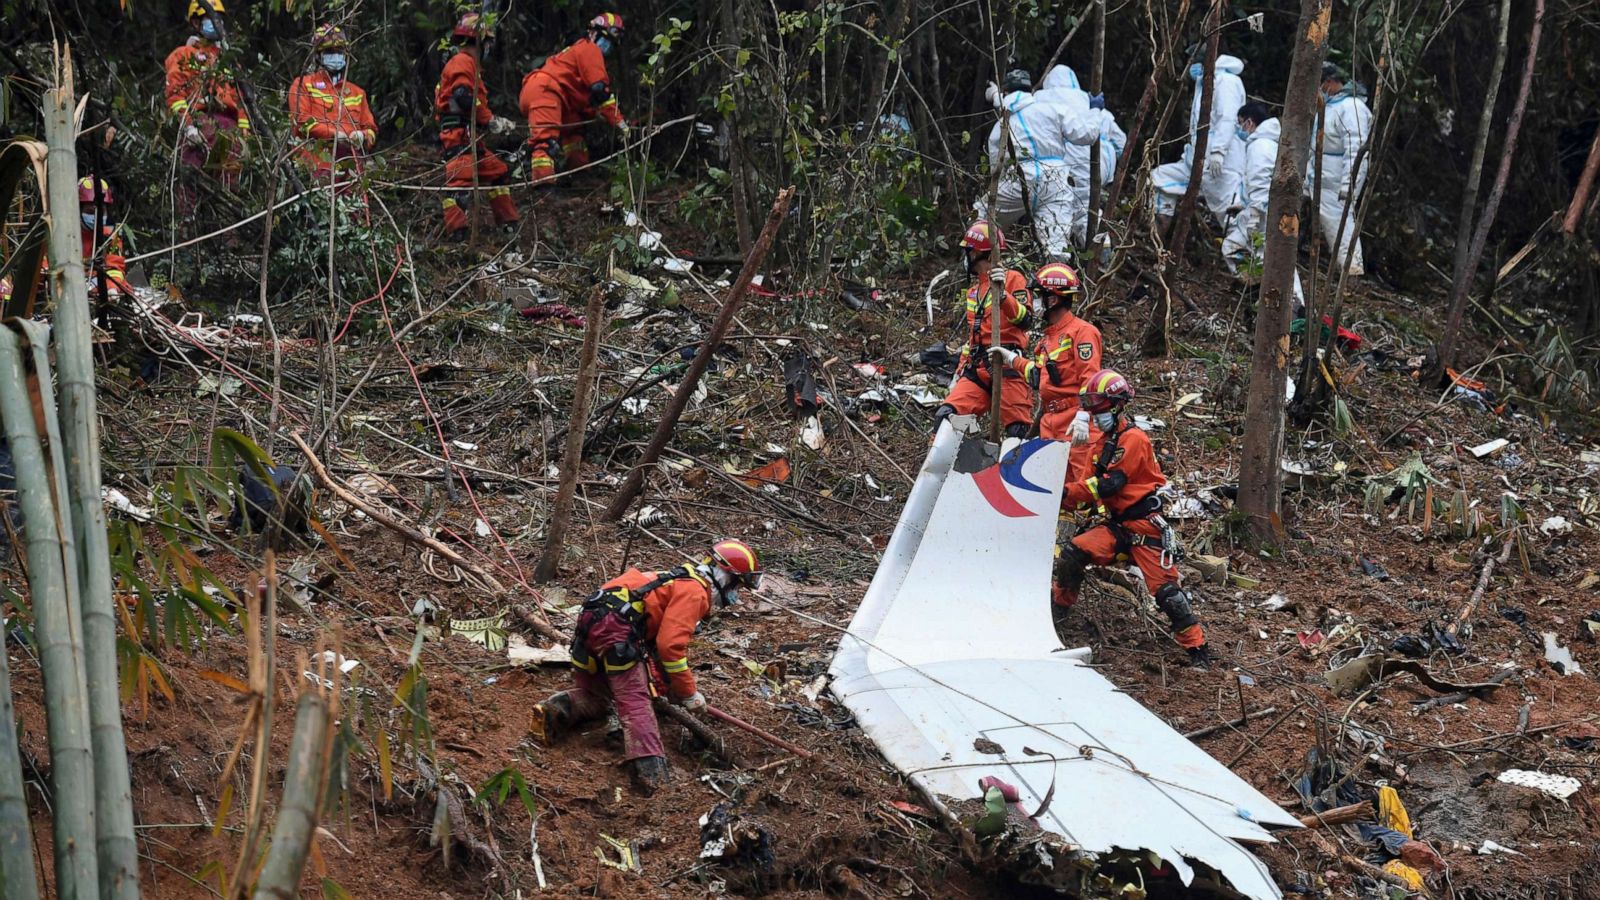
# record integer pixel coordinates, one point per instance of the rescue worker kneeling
(1065, 356)
(1117, 477)
(633, 622)
(991, 283)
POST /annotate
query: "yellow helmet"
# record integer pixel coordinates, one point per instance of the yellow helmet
(199, 9)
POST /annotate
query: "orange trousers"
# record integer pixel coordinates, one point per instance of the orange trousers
(551, 123)
(1098, 547)
(970, 398)
(491, 173)
(1053, 423)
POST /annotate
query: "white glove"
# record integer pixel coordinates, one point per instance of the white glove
(1214, 167)
(694, 702)
(1079, 429)
(1006, 354)
(625, 128)
(992, 94)
(357, 139)
(998, 276)
(192, 136)
(501, 125)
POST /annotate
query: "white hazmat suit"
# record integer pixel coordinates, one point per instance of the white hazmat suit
(1062, 90)
(1260, 159)
(1224, 164)
(1347, 124)
(1040, 135)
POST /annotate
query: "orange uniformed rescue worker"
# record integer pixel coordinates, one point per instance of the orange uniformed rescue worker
(1117, 479)
(461, 105)
(201, 93)
(969, 395)
(1065, 356)
(102, 241)
(330, 112)
(634, 622)
(560, 97)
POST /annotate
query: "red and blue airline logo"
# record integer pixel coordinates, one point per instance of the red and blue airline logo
(995, 482)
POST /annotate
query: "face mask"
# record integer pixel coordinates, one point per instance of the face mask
(604, 43)
(1105, 421)
(333, 62)
(730, 596)
(1239, 130)
(1195, 71)
(88, 220)
(208, 29)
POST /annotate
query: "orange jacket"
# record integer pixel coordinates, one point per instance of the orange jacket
(578, 74)
(111, 261)
(197, 82)
(460, 71)
(1063, 359)
(321, 108)
(1013, 313)
(1133, 456)
(671, 613)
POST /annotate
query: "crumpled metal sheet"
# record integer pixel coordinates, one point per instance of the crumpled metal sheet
(954, 643)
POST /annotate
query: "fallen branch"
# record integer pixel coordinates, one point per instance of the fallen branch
(718, 747)
(766, 736)
(540, 624)
(1213, 729)
(1460, 696)
(1483, 584)
(1343, 815)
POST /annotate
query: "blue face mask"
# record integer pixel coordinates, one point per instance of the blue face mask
(1243, 135)
(604, 43)
(88, 220)
(1105, 421)
(208, 29)
(333, 62)
(1195, 71)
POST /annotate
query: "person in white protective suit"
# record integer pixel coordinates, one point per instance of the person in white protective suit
(1244, 242)
(1061, 89)
(1224, 163)
(1347, 125)
(1040, 135)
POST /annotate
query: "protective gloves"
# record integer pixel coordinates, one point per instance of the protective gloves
(694, 702)
(501, 125)
(192, 136)
(992, 94)
(1214, 167)
(1006, 354)
(1097, 101)
(625, 128)
(1113, 483)
(998, 276)
(1079, 429)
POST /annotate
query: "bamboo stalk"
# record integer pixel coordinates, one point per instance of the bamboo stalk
(58, 632)
(297, 817)
(1199, 137)
(80, 432)
(572, 455)
(17, 881)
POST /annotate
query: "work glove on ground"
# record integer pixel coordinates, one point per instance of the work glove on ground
(693, 703)
(1079, 429)
(501, 125)
(1214, 167)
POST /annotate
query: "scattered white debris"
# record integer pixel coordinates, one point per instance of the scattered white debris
(1485, 449)
(1558, 786)
(463, 445)
(1491, 847)
(520, 653)
(119, 501)
(1559, 656)
(1276, 603)
(344, 665)
(636, 405)
(1146, 423)
(675, 265)
(649, 515)
(371, 485)
(811, 435)
(482, 528)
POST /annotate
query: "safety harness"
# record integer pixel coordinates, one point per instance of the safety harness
(978, 354)
(1146, 507)
(628, 605)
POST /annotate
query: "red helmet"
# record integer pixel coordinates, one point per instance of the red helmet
(86, 190)
(1105, 391)
(983, 237)
(329, 37)
(1059, 281)
(610, 23)
(471, 25)
(738, 558)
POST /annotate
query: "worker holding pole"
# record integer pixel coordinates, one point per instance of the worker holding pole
(636, 623)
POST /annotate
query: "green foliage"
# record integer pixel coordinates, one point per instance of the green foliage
(362, 253)
(501, 784)
(662, 44)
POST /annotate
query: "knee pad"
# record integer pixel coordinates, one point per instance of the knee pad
(1071, 566)
(1017, 430)
(1176, 603)
(944, 411)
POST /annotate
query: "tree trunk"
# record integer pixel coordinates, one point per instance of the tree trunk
(16, 842)
(680, 398)
(297, 818)
(1469, 193)
(1143, 110)
(80, 432)
(1569, 222)
(1096, 85)
(877, 104)
(572, 455)
(1260, 475)
(1201, 136)
(1491, 207)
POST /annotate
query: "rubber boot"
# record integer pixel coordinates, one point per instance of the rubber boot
(551, 718)
(648, 773)
(1200, 657)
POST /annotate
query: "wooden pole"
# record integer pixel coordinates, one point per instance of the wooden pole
(719, 328)
(1096, 85)
(572, 455)
(1200, 136)
(1569, 223)
(297, 818)
(16, 842)
(767, 736)
(1469, 192)
(80, 432)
